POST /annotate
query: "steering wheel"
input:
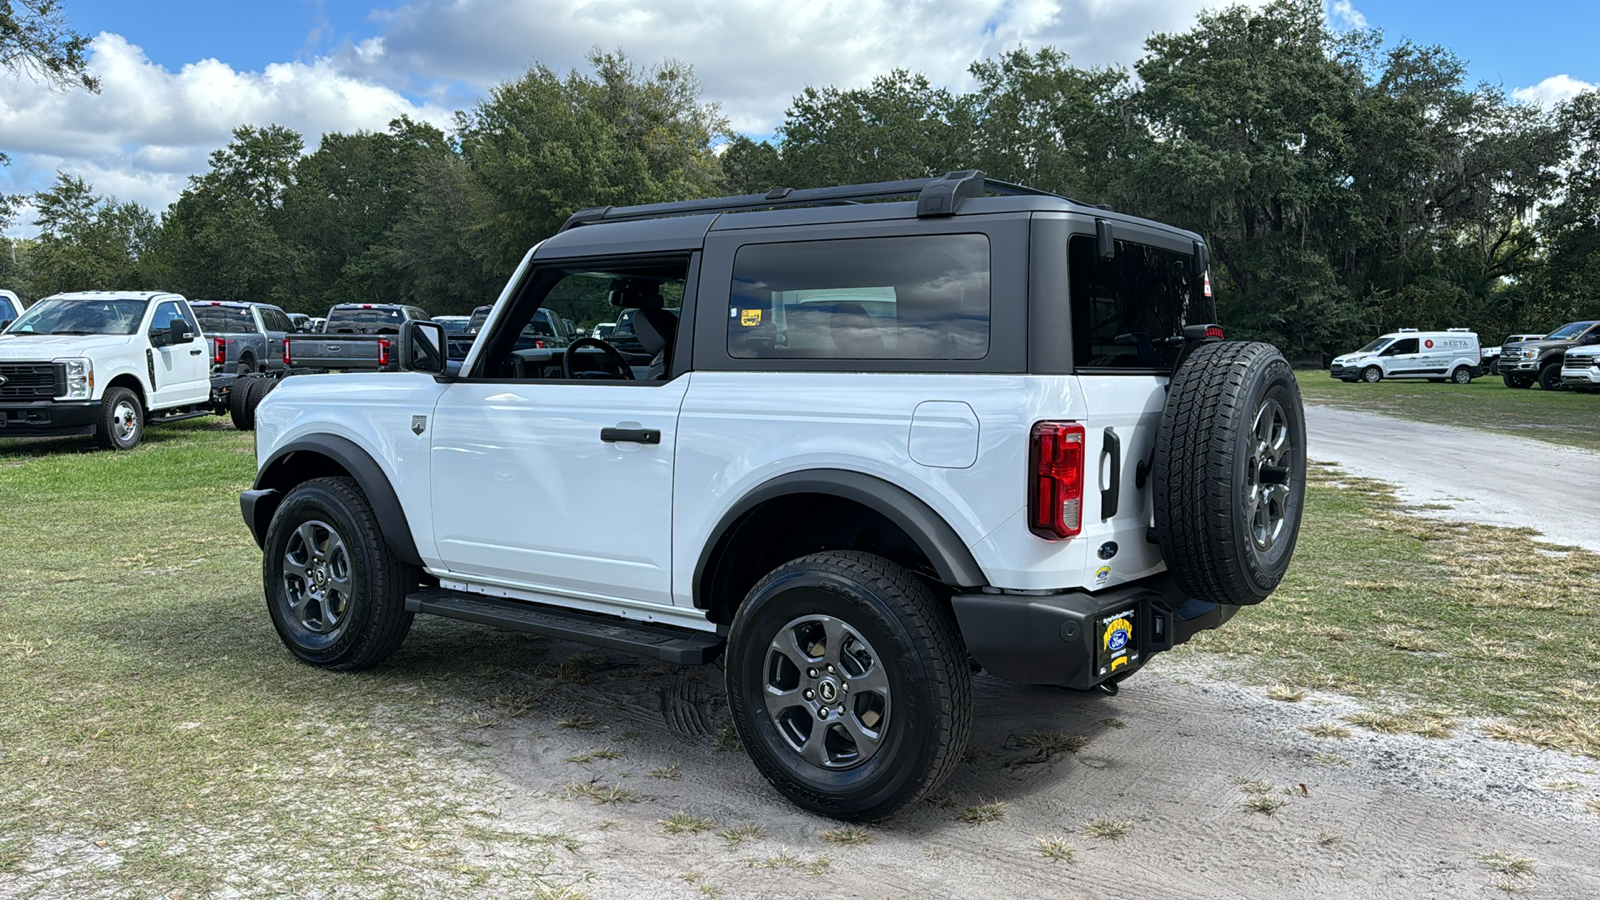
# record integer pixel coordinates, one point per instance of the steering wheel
(612, 354)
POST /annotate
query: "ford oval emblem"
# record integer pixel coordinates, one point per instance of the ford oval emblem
(1108, 549)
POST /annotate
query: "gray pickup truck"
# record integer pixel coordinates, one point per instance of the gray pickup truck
(358, 336)
(244, 337)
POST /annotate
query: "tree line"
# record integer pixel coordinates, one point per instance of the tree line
(1346, 186)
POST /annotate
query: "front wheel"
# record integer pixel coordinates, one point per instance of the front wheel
(848, 684)
(1518, 382)
(1550, 378)
(121, 422)
(335, 591)
(1372, 375)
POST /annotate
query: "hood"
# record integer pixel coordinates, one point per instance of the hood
(55, 346)
(1544, 344)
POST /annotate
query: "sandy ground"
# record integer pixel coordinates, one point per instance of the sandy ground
(1176, 755)
(1481, 476)
(1368, 816)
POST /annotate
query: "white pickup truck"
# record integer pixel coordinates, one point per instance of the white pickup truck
(877, 445)
(104, 363)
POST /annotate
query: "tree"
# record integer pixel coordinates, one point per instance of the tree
(36, 40)
(543, 146)
(87, 242)
(223, 238)
(343, 201)
(900, 126)
(1571, 225)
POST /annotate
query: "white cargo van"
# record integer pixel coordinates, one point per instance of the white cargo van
(1451, 354)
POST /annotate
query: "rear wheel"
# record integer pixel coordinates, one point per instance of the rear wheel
(1462, 375)
(335, 591)
(121, 422)
(239, 408)
(247, 365)
(848, 684)
(1229, 475)
(1372, 374)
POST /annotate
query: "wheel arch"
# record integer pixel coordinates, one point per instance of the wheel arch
(327, 455)
(749, 539)
(131, 382)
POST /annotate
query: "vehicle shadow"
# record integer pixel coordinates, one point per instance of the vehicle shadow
(23, 448)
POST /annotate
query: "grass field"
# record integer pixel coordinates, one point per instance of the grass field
(158, 741)
(1558, 417)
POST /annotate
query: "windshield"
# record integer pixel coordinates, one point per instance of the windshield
(1372, 347)
(479, 316)
(119, 315)
(223, 319)
(1568, 331)
(364, 320)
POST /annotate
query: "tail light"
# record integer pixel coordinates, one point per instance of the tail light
(383, 353)
(1214, 331)
(286, 352)
(221, 355)
(538, 344)
(1055, 473)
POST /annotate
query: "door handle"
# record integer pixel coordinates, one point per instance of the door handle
(1110, 496)
(194, 352)
(631, 435)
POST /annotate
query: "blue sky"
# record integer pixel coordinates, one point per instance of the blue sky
(180, 74)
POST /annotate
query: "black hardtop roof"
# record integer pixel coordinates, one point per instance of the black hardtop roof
(966, 192)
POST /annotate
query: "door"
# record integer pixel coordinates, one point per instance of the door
(275, 324)
(561, 485)
(1127, 312)
(1403, 357)
(527, 490)
(180, 373)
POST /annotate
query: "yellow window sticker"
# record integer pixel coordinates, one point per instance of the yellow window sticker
(749, 317)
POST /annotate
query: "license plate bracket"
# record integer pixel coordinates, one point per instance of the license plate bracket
(1116, 644)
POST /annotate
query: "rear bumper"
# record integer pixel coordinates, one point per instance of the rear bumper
(1062, 639)
(49, 418)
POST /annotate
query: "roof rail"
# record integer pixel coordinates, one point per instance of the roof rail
(935, 197)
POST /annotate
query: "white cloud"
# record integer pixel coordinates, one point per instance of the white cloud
(1342, 14)
(1553, 90)
(752, 56)
(150, 128)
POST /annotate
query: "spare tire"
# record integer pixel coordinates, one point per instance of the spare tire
(1229, 473)
(239, 408)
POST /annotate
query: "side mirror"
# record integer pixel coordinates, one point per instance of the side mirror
(179, 332)
(422, 347)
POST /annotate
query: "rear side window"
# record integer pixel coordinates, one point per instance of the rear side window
(923, 297)
(1128, 312)
(276, 319)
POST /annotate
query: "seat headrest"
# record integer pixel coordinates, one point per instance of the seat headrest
(655, 329)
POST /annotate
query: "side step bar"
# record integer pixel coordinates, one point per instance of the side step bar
(673, 645)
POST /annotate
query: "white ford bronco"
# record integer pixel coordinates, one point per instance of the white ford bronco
(882, 443)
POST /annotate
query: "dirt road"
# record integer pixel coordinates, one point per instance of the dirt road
(1481, 476)
(1179, 756)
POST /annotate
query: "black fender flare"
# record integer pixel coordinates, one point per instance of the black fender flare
(259, 504)
(949, 554)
